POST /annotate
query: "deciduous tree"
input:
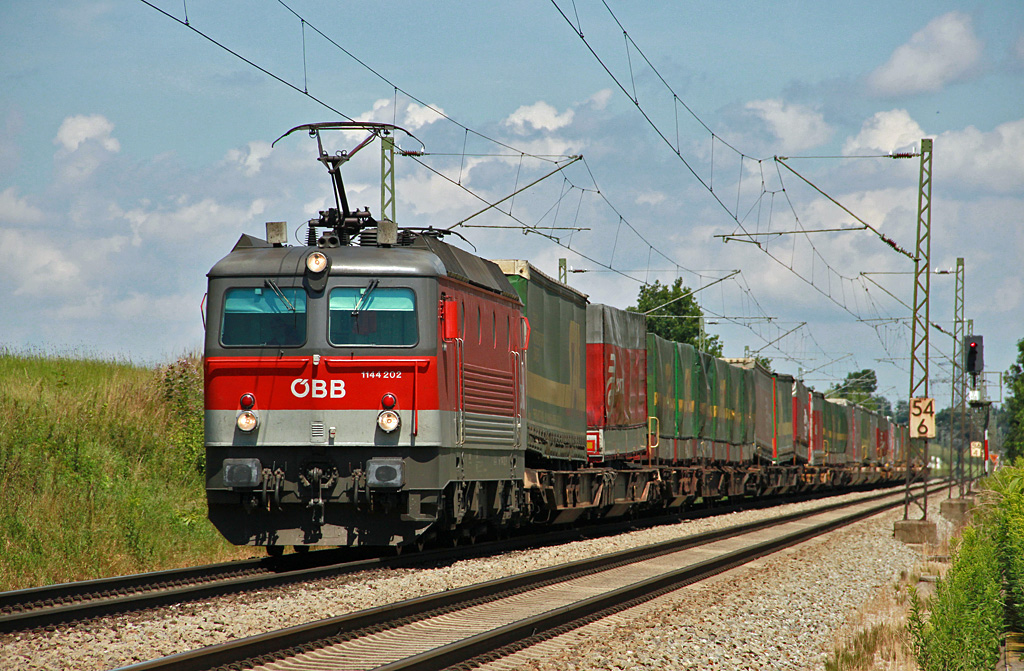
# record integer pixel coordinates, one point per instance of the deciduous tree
(675, 315)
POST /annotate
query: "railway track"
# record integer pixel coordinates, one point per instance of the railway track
(55, 605)
(482, 622)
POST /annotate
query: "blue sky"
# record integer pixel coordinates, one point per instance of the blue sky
(133, 152)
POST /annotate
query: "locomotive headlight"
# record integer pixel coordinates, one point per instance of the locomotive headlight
(247, 420)
(316, 262)
(388, 420)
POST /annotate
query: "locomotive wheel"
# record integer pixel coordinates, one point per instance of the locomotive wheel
(275, 550)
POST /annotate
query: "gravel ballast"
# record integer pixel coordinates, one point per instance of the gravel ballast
(778, 613)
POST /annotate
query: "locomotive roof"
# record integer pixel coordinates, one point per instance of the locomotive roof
(425, 256)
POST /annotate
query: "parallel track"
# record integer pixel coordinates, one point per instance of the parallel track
(482, 622)
(54, 605)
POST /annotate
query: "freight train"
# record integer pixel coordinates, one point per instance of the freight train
(381, 387)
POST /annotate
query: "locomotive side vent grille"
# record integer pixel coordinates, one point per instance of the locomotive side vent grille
(316, 432)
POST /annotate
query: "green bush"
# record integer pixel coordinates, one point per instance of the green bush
(183, 388)
(983, 592)
(1003, 510)
(965, 627)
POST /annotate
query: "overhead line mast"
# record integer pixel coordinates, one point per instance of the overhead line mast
(919, 329)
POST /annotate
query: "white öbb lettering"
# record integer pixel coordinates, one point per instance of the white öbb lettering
(302, 388)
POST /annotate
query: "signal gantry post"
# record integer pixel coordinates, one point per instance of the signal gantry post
(958, 419)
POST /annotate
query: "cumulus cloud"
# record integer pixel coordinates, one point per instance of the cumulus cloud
(541, 116)
(993, 160)
(17, 210)
(418, 116)
(600, 99)
(885, 132)
(797, 127)
(190, 221)
(84, 144)
(251, 158)
(78, 129)
(650, 198)
(19, 265)
(944, 51)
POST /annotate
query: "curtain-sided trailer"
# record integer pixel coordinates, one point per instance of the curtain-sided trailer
(556, 397)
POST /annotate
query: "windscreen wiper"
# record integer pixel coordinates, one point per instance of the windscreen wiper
(280, 294)
(366, 294)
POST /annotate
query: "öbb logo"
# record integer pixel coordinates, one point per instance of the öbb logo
(317, 388)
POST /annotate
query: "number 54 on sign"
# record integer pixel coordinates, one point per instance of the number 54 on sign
(922, 418)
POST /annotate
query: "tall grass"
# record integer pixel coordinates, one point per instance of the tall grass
(100, 469)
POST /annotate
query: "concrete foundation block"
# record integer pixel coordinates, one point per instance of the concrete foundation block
(916, 532)
(956, 510)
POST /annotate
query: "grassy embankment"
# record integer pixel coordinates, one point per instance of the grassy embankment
(976, 602)
(100, 470)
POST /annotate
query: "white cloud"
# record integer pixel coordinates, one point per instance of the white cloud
(409, 115)
(78, 129)
(541, 116)
(600, 99)
(20, 260)
(14, 209)
(885, 132)
(190, 222)
(993, 160)
(251, 158)
(797, 127)
(650, 198)
(417, 116)
(944, 51)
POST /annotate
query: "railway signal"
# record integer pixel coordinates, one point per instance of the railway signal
(974, 354)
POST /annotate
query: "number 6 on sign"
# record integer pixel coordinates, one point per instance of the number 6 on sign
(922, 418)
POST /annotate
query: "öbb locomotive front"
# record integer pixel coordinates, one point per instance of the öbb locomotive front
(345, 403)
(378, 387)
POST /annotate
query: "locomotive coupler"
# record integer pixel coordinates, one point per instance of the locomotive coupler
(316, 500)
(315, 480)
(272, 489)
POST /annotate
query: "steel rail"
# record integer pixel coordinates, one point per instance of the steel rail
(503, 641)
(271, 646)
(64, 603)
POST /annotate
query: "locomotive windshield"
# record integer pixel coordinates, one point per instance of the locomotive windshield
(264, 316)
(373, 315)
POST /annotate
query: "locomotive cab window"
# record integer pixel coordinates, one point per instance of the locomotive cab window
(267, 316)
(372, 315)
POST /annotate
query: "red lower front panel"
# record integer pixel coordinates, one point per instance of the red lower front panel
(321, 383)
